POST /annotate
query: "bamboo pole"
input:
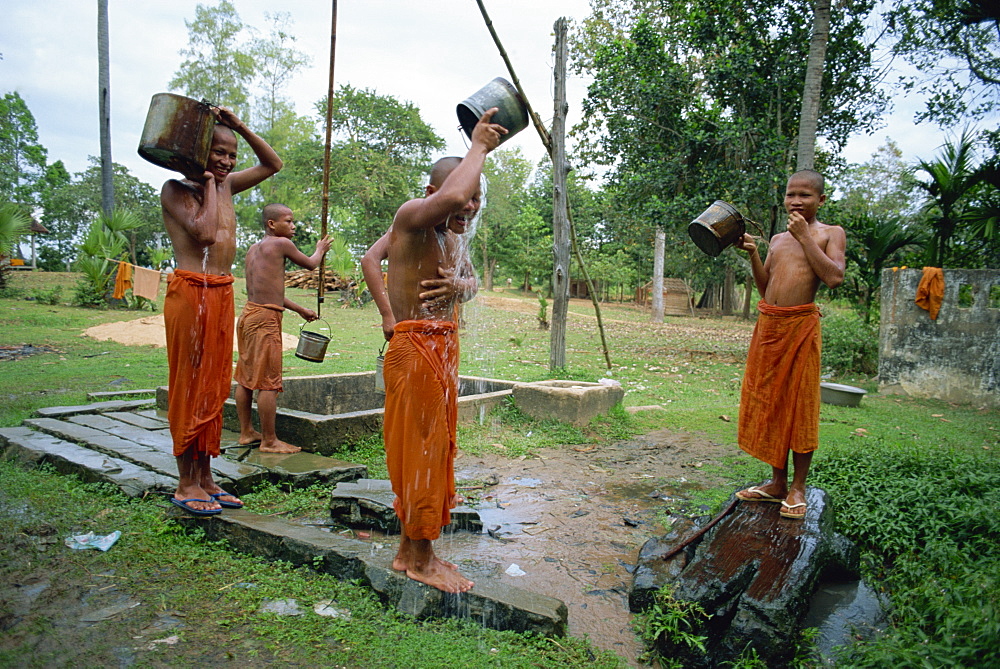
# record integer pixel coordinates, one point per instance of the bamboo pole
(326, 160)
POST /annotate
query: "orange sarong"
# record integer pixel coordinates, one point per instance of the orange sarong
(123, 280)
(930, 292)
(258, 336)
(198, 313)
(421, 415)
(779, 405)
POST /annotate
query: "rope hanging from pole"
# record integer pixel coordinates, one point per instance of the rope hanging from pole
(326, 160)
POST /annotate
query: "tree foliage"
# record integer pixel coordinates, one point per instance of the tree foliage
(22, 158)
(955, 46)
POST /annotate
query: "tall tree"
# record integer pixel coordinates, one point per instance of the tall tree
(507, 172)
(104, 106)
(22, 158)
(218, 62)
(813, 87)
(276, 61)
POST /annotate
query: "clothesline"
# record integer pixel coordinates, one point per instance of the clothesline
(146, 283)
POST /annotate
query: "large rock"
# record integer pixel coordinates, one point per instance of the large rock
(754, 573)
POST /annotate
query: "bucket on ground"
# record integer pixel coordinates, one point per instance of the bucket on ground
(178, 134)
(312, 345)
(718, 227)
(511, 113)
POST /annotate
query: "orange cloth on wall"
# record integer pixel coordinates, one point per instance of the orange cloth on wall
(123, 280)
(258, 337)
(198, 313)
(779, 404)
(421, 415)
(147, 283)
(930, 292)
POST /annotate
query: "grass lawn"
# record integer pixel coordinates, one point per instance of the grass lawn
(874, 460)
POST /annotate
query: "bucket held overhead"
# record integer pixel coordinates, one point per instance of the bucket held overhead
(178, 134)
(718, 227)
(512, 113)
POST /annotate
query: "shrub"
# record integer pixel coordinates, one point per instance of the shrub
(849, 344)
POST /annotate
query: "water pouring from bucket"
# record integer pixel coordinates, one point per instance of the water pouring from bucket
(718, 227)
(512, 113)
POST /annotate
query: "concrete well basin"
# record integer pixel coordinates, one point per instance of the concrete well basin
(321, 413)
(575, 402)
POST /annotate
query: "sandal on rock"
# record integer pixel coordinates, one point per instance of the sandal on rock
(761, 495)
(786, 510)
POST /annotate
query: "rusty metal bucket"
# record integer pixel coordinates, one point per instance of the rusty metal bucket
(178, 134)
(312, 345)
(512, 113)
(717, 228)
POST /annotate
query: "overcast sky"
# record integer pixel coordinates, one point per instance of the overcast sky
(433, 53)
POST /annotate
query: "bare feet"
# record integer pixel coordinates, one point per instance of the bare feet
(250, 437)
(436, 575)
(399, 563)
(766, 492)
(278, 446)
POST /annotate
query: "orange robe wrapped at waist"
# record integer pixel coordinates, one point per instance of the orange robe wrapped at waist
(421, 414)
(779, 405)
(198, 311)
(258, 336)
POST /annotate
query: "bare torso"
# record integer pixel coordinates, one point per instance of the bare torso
(792, 279)
(414, 256)
(191, 253)
(265, 271)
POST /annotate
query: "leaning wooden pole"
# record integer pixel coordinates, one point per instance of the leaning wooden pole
(547, 142)
(326, 160)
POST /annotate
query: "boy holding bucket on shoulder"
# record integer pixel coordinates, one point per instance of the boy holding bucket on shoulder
(779, 405)
(198, 310)
(258, 331)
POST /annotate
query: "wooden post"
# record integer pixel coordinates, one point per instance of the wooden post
(321, 270)
(659, 247)
(560, 221)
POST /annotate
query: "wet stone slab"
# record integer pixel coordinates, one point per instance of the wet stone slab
(490, 603)
(96, 407)
(34, 448)
(302, 469)
(367, 503)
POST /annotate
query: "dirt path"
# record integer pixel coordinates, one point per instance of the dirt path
(570, 522)
(150, 331)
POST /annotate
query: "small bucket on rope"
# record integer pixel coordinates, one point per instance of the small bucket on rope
(511, 113)
(312, 345)
(379, 366)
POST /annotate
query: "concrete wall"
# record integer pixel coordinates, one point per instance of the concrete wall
(954, 358)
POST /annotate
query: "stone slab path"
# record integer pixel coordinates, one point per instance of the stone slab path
(126, 443)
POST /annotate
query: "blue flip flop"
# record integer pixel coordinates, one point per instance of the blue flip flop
(183, 503)
(224, 503)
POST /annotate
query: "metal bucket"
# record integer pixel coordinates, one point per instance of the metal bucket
(312, 345)
(511, 113)
(178, 134)
(718, 227)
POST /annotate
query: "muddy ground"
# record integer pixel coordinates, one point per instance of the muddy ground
(568, 523)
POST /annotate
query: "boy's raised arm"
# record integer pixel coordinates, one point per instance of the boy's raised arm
(269, 163)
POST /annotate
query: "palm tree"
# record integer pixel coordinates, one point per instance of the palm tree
(812, 89)
(953, 176)
(13, 224)
(873, 242)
